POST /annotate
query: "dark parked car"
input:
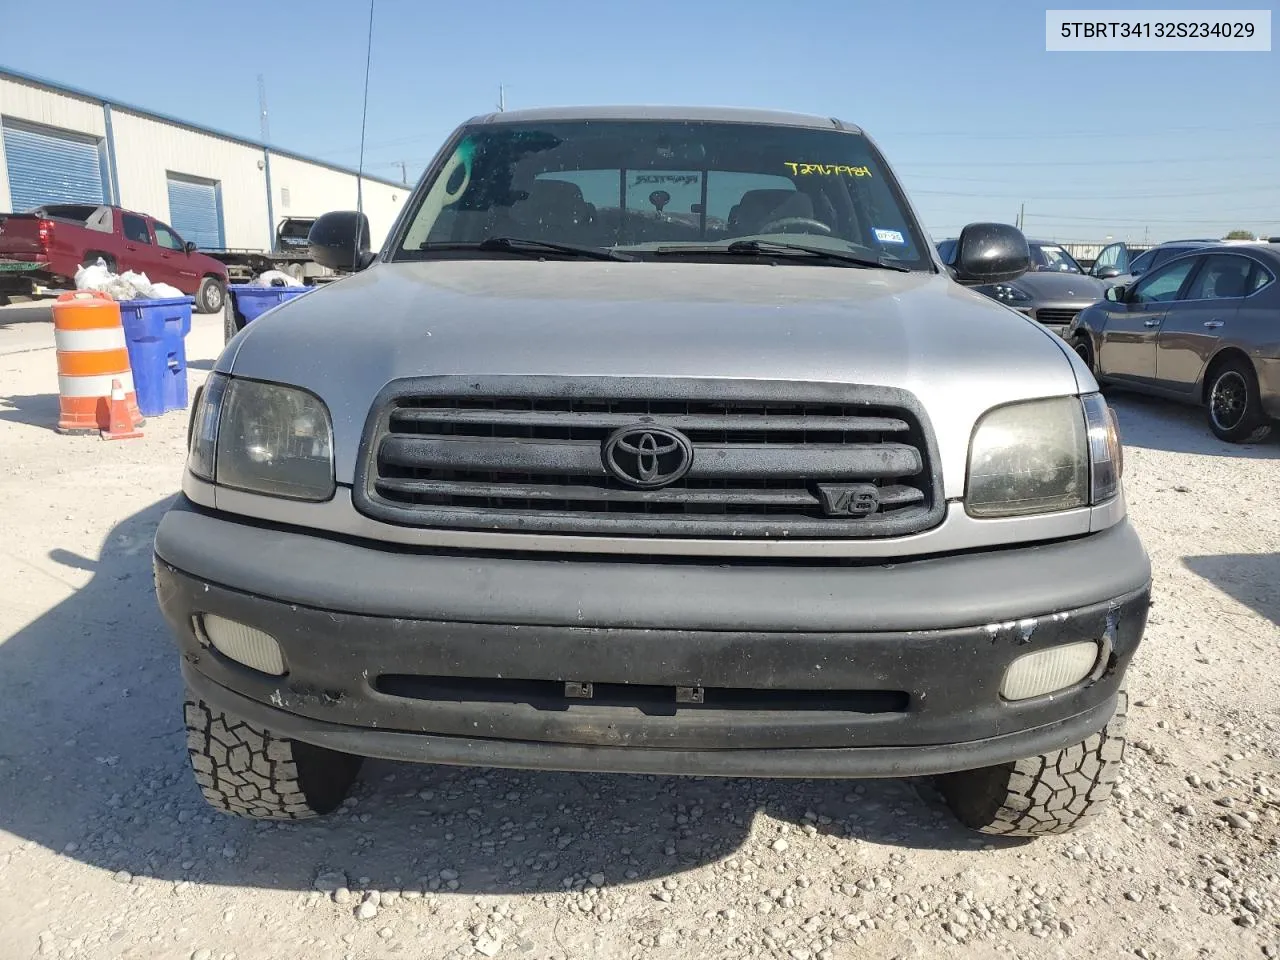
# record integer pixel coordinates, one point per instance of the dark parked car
(1120, 263)
(1052, 292)
(1203, 328)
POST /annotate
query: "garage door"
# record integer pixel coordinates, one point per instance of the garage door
(52, 166)
(195, 211)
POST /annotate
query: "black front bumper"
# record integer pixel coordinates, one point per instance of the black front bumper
(880, 670)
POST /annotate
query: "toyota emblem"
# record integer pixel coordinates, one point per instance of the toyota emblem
(647, 457)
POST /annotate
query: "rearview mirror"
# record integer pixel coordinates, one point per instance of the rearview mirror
(189, 246)
(990, 253)
(1115, 294)
(1106, 273)
(340, 240)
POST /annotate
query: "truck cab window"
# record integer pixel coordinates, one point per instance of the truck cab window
(166, 238)
(135, 229)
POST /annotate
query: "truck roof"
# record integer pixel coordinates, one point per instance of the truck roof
(705, 114)
(91, 207)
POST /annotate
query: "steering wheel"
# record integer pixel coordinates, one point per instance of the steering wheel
(785, 225)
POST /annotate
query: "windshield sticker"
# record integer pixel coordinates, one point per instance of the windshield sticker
(889, 236)
(827, 170)
(685, 178)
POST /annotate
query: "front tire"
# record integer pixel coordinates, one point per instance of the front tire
(1084, 350)
(211, 297)
(1054, 793)
(229, 326)
(1233, 405)
(249, 772)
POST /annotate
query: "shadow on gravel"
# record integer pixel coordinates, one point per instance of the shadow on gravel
(93, 765)
(1252, 579)
(37, 410)
(1156, 424)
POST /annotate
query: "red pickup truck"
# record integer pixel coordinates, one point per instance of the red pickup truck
(58, 238)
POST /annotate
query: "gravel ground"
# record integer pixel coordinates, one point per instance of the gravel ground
(107, 850)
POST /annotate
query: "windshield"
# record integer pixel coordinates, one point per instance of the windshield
(295, 229)
(1053, 258)
(635, 186)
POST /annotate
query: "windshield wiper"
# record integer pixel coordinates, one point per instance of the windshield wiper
(777, 248)
(525, 246)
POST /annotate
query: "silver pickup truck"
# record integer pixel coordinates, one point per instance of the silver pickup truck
(656, 441)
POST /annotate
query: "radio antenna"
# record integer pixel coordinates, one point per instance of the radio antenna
(364, 119)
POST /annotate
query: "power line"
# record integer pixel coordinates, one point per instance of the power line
(1074, 219)
(1079, 135)
(1084, 182)
(983, 195)
(1208, 161)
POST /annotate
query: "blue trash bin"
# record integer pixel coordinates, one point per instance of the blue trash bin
(155, 333)
(248, 301)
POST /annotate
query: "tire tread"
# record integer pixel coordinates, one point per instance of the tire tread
(1054, 793)
(248, 772)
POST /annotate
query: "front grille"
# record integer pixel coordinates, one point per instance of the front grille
(1056, 316)
(528, 454)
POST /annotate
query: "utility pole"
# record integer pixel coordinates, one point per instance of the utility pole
(404, 173)
(265, 162)
(1022, 210)
(262, 109)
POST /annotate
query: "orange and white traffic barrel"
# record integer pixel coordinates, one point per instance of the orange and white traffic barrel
(91, 354)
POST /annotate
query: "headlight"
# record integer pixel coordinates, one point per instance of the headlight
(263, 438)
(1010, 293)
(1106, 454)
(1043, 456)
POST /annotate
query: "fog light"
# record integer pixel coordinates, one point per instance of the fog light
(1045, 671)
(244, 644)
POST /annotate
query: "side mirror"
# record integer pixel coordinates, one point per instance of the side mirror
(189, 246)
(1115, 294)
(340, 240)
(1106, 273)
(990, 253)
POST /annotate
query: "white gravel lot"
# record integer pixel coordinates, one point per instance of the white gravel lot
(108, 851)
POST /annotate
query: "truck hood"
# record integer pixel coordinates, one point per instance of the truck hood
(956, 350)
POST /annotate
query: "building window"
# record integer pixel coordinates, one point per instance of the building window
(284, 197)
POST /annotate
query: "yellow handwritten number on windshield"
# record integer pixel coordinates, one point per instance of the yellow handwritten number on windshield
(827, 170)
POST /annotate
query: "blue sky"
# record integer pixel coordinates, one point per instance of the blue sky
(972, 112)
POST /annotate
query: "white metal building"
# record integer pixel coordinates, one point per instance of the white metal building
(59, 144)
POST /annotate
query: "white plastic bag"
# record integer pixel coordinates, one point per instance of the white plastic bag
(95, 276)
(138, 285)
(126, 286)
(275, 278)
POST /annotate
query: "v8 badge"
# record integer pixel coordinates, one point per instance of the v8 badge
(849, 499)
